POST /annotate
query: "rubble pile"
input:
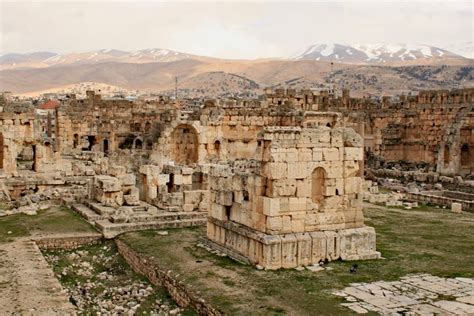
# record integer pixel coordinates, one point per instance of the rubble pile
(99, 281)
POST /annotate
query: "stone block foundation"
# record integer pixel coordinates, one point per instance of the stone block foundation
(291, 250)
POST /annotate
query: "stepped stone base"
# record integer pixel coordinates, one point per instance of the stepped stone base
(135, 218)
(291, 250)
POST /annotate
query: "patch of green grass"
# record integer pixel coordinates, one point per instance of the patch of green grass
(421, 240)
(55, 220)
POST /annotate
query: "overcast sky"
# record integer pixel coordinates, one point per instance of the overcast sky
(245, 29)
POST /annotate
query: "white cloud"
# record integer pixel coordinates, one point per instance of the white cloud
(227, 29)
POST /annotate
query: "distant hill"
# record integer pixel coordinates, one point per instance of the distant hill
(376, 68)
(212, 77)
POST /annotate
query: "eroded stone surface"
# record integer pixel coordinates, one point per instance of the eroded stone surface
(27, 284)
(419, 294)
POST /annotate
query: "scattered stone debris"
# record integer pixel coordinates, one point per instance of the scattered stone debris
(26, 205)
(99, 281)
(417, 294)
(212, 250)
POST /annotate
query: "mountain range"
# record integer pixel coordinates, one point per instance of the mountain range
(376, 69)
(376, 53)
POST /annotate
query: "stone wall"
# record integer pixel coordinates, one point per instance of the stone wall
(67, 242)
(159, 276)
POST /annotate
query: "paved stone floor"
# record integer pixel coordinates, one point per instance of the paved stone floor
(417, 294)
(27, 283)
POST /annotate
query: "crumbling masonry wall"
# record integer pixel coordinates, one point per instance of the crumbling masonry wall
(297, 203)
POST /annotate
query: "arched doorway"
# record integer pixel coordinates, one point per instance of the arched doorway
(138, 143)
(318, 185)
(106, 146)
(466, 159)
(184, 144)
(75, 141)
(217, 148)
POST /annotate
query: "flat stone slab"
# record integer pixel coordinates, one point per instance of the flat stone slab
(28, 285)
(417, 294)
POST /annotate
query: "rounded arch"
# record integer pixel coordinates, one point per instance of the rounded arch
(318, 184)
(184, 143)
(138, 143)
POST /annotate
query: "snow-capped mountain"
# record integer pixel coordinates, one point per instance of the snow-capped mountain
(40, 60)
(465, 49)
(373, 53)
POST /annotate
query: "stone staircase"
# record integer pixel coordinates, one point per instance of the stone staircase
(136, 218)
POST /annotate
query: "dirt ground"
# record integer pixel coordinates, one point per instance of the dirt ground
(27, 283)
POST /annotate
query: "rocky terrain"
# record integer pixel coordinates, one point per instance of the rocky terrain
(98, 280)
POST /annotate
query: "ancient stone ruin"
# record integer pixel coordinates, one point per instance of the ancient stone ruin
(278, 179)
(297, 202)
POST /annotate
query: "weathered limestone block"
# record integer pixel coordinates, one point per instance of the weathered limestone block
(108, 184)
(331, 154)
(304, 251)
(289, 251)
(271, 206)
(353, 153)
(332, 245)
(305, 154)
(284, 187)
(271, 252)
(274, 224)
(163, 178)
(127, 179)
(358, 244)
(456, 207)
(132, 199)
(192, 197)
(352, 139)
(117, 170)
(352, 185)
(317, 154)
(218, 211)
(303, 189)
(297, 204)
(337, 139)
(297, 170)
(319, 246)
(276, 170)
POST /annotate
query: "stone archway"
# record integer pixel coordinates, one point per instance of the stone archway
(138, 143)
(318, 185)
(184, 143)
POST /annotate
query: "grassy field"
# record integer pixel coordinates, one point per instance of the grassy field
(428, 240)
(55, 220)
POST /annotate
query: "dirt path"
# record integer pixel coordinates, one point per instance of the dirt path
(27, 283)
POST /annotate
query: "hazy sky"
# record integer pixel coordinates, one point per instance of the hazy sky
(245, 29)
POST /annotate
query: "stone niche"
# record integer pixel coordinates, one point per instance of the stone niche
(297, 203)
